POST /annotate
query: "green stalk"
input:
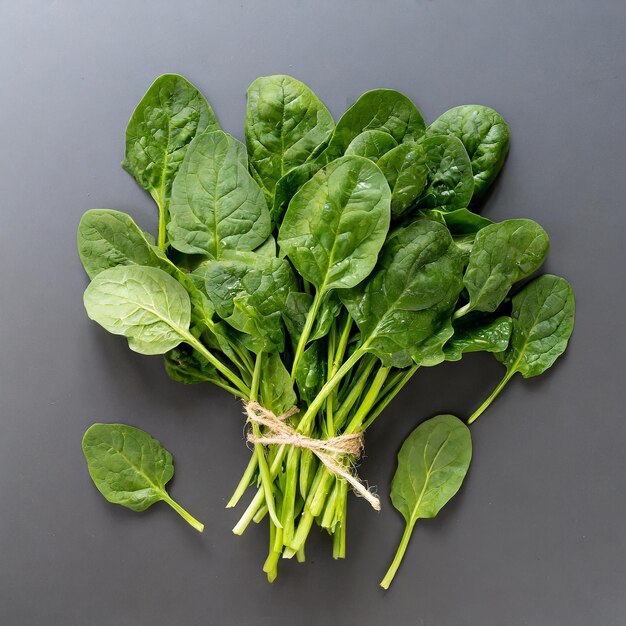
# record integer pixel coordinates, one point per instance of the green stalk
(199, 526)
(492, 396)
(393, 568)
(245, 481)
(306, 332)
(266, 479)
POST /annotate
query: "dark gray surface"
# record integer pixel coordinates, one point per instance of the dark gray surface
(537, 535)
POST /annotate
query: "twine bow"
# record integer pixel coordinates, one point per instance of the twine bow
(328, 451)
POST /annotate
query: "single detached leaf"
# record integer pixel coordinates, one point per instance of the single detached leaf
(285, 123)
(216, 205)
(379, 109)
(484, 134)
(337, 223)
(408, 299)
(472, 335)
(450, 184)
(543, 321)
(130, 468)
(502, 254)
(406, 171)
(146, 305)
(432, 465)
(161, 128)
(371, 144)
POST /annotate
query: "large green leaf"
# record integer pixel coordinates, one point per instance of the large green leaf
(336, 224)
(379, 109)
(484, 134)
(146, 305)
(543, 321)
(285, 123)
(161, 128)
(216, 205)
(403, 308)
(130, 468)
(432, 465)
(502, 254)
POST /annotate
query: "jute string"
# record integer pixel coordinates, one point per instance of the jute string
(328, 451)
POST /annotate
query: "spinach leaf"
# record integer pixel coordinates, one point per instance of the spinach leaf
(543, 321)
(187, 366)
(336, 224)
(130, 468)
(459, 222)
(432, 464)
(409, 297)
(406, 171)
(159, 132)
(311, 372)
(287, 187)
(502, 254)
(285, 123)
(450, 183)
(490, 335)
(277, 392)
(371, 144)
(215, 203)
(146, 305)
(379, 109)
(484, 134)
(251, 296)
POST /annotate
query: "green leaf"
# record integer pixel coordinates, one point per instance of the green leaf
(337, 223)
(311, 372)
(432, 465)
(450, 183)
(543, 321)
(251, 296)
(484, 134)
(406, 171)
(459, 222)
(379, 109)
(409, 297)
(187, 366)
(285, 123)
(502, 254)
(371, 144)
(287, 187)
(146, 305)
(215, 204)
(471, 335)
(159, 132)
(277, 392)
(130, 468)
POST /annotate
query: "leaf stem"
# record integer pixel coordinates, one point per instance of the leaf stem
(244, 482)
(491, 397)
(462, 311)
(306, 332)
(199, 526)
(393, 568)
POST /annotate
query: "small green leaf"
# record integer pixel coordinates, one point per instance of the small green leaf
(379, 109)
(187, 366)
(146, 305)
(277, 392)
(159, 132)
(543, 321)
(502, 254)
(130, 468)
(472, 335)
(432, 464)
(484, 134)
(215, 204)
(285, 123)
(371, 144)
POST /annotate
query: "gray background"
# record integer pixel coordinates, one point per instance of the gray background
(537, 535)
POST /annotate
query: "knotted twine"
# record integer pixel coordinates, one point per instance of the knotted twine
(328, 451)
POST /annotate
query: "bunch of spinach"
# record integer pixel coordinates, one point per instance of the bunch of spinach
(319, 265)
